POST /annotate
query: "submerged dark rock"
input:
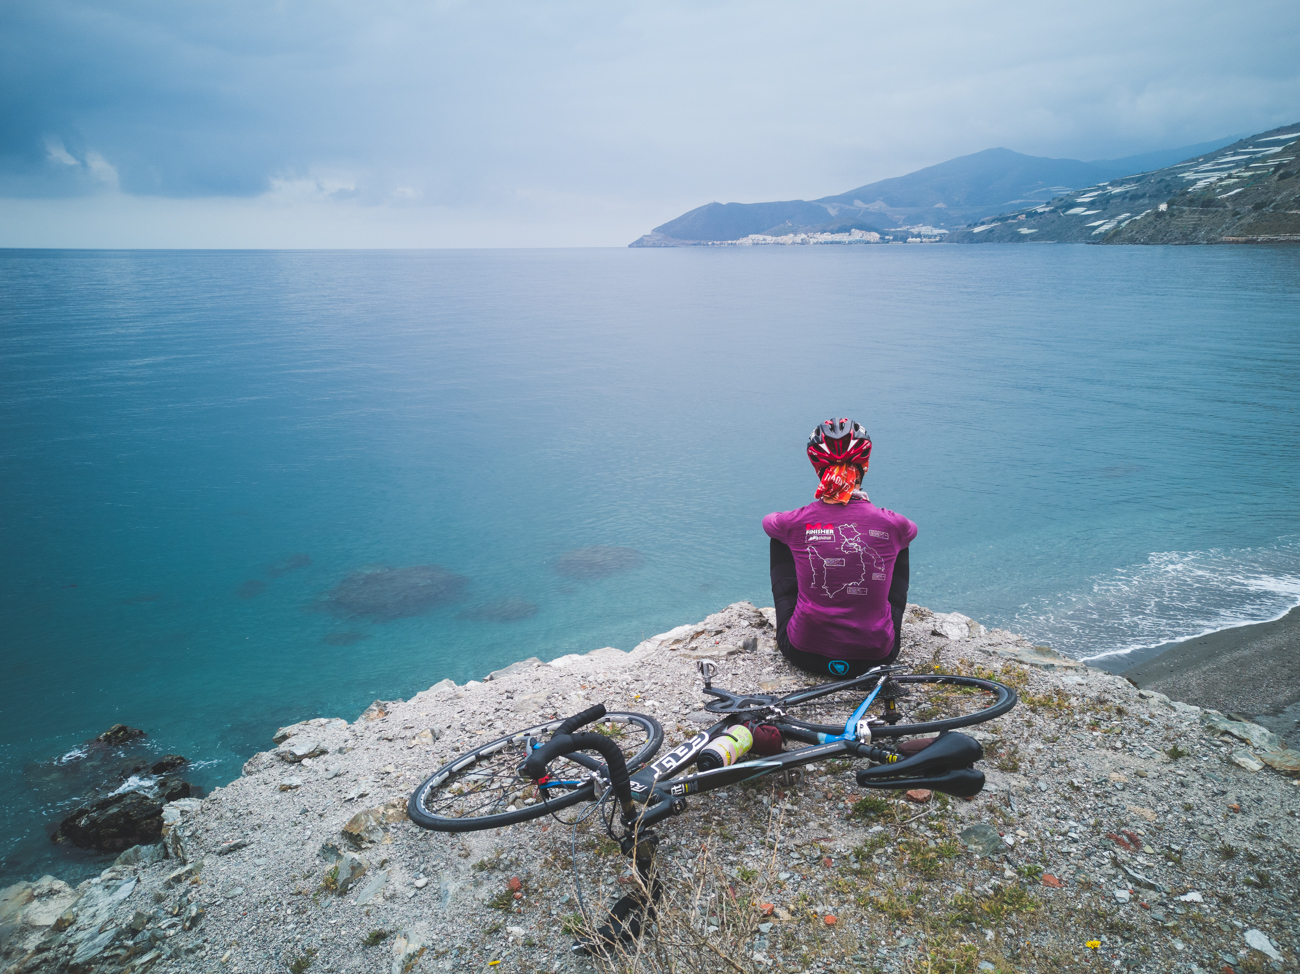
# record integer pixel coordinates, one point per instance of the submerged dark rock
(252, 587)
(286, 565)
(168, 763)
(386, 593)
(344, 638)
(512, 609)
(598, 561)
(119, 734)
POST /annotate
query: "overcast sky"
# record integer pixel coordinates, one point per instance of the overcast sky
(393, 123)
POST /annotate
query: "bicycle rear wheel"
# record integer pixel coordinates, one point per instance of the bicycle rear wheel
(923, 704)
(482, 789)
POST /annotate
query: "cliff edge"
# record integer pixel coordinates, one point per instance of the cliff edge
(1119, 829)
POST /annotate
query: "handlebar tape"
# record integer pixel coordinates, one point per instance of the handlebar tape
(581, 720)
(535, 766)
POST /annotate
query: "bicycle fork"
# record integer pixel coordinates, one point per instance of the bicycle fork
(627, 918)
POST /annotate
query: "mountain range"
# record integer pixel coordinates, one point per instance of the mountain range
(951, 194)
(1246, 192)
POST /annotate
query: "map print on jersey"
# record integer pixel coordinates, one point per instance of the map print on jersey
(833, 574)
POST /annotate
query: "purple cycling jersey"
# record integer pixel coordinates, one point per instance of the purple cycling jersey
(844, 556)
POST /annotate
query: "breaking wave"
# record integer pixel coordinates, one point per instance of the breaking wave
(1174, 595)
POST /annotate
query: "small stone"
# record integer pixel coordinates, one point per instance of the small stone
(982, 839)
(1192, 897)
(1042, 786)
(226, 848)
(350, 870)
(421, 883)
(514, 884)
(986, 966)
(290, 784)
(828, 862)
(784, 876)
(765, 928)
(830, 920)
(766, 909)
(1052, 881)
(372, 889)
(1246, 759)
(1122, 896)
(919, 795)
(425, 738)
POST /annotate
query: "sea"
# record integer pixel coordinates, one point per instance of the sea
(239, 489)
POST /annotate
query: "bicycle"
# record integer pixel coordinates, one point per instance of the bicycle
(521, 776)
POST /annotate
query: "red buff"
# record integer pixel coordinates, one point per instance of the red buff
(839, 482)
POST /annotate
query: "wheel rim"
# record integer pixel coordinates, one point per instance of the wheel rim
(483, 785)
(927, 704)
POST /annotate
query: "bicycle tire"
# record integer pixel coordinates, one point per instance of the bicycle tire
(934, 703)
(492, 795)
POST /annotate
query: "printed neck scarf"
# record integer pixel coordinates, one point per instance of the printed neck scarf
(838, 483)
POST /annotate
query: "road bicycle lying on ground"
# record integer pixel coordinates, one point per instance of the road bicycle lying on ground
(552, 766)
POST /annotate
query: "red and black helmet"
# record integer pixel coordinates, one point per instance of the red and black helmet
(838, 441)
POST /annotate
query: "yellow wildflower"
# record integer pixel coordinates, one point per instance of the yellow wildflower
(1093, 944)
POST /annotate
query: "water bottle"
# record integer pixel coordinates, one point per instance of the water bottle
(725, 749)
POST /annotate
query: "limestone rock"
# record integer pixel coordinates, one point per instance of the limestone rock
(527, 703)
(425, 738)
(373, 888)
(1245, 759)
(368, 827)
(983, 839)
(298, 748)
(142, 855)
(351, 869)
(407, 950)
(1258, 940)
(520, 667)
(1043, 657)
(1243, 730)
(954, 626)
(316, 723)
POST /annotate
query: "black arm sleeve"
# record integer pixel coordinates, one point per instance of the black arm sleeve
(785, 583)
(898, 595)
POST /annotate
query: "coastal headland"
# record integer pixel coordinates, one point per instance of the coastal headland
(1119, 829)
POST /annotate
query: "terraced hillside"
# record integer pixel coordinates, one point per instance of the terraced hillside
(1247, 192)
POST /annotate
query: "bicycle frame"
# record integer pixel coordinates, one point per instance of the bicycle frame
(663, 794)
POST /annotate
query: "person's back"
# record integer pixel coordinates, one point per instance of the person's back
(840, 565)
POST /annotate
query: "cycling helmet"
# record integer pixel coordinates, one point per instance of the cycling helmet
(838, 441)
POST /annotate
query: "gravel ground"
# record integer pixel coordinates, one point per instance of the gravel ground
(1119, 830)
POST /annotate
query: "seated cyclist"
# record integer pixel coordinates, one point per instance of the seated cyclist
(839, 565)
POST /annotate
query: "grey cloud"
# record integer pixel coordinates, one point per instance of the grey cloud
(549, 109)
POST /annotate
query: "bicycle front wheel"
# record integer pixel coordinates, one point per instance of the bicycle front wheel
(921, 704)
(482, 789)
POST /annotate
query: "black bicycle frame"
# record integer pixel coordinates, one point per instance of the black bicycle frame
(657, 787)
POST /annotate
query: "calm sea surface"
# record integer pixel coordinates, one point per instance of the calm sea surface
(197, 450)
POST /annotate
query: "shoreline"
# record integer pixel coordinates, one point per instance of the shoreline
(1251, 670)
(1104, 816)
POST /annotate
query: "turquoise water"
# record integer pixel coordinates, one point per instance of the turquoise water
(1099, 446)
